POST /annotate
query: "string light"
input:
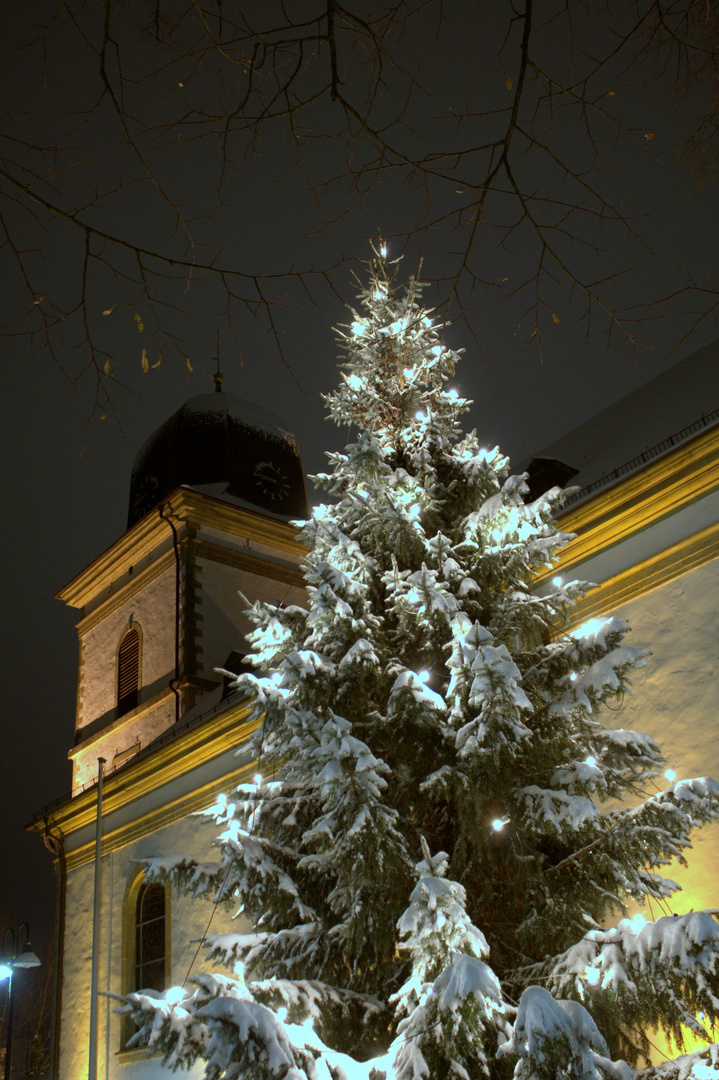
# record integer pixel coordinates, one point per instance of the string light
(174, 995)
(499, 823)
(590, 628)
(557, 582)
(592, 975)
(257, 778)
(573, 676)
(383, 251)
(591, 760)
(638, 921)
(419, 415)
(670, 775)
(424, 676)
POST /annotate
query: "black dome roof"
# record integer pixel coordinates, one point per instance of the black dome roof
(217, 439)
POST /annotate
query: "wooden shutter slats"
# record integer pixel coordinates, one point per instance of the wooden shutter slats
(128, 672)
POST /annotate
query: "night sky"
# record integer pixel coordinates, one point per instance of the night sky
(67, 469)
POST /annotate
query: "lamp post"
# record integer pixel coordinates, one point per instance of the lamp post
(12, 957)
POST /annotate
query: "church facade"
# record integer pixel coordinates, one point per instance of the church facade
(213, 494)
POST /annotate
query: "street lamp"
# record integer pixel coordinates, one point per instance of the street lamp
(12, 956)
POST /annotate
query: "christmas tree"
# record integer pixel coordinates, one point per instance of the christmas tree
(437, 855)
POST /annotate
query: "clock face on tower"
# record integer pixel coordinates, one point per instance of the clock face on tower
(146, 495)
(271, 480)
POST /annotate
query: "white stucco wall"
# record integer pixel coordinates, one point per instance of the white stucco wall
(189, 919)
(224, 622)
(676, 700)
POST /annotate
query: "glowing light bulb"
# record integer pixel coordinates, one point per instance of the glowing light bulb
(670, 775)
(174, 995)
(557, 582)
(419, 415)
(593, 975)
(499, 823)
(276, 678)
(638, 921)
(591, 760)
(590, 628)
(573, 676)
(257, 778)
(424, 676)
(5, 971)
(453, 394)
(383, 251)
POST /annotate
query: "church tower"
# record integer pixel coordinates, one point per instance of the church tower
(213, 496)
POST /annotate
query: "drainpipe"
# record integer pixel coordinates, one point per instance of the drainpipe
(94, 981)
(176, 545)
(55, 846)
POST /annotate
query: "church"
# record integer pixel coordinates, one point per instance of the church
(159, 731)
(212, 495)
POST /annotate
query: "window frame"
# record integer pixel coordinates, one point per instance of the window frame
(135, 629)
(129, 928)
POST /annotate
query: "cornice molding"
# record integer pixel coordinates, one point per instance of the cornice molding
(187, 507)
(126, 720)
(255, 563)
(647, 576)
(191, 749)
(175, 810)
(656, 492)
(126, 592)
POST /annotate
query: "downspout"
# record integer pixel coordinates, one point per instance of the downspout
(176, 545)
(95, 967)
(55, 846)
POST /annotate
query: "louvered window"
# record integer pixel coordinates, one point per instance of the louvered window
(128, 672)
(150, 938)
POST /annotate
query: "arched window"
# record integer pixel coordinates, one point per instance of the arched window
(128, 671)
(146, 938)
(150, 937)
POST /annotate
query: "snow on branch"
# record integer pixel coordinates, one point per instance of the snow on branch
(553, 1038)
(667, 969)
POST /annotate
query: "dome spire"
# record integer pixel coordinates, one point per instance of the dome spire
(218, 377)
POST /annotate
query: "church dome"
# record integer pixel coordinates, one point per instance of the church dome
(226, 447)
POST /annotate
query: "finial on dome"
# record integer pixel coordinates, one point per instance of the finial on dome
(218, 377)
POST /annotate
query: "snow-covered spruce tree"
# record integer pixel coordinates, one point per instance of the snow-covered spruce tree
(445, 827)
